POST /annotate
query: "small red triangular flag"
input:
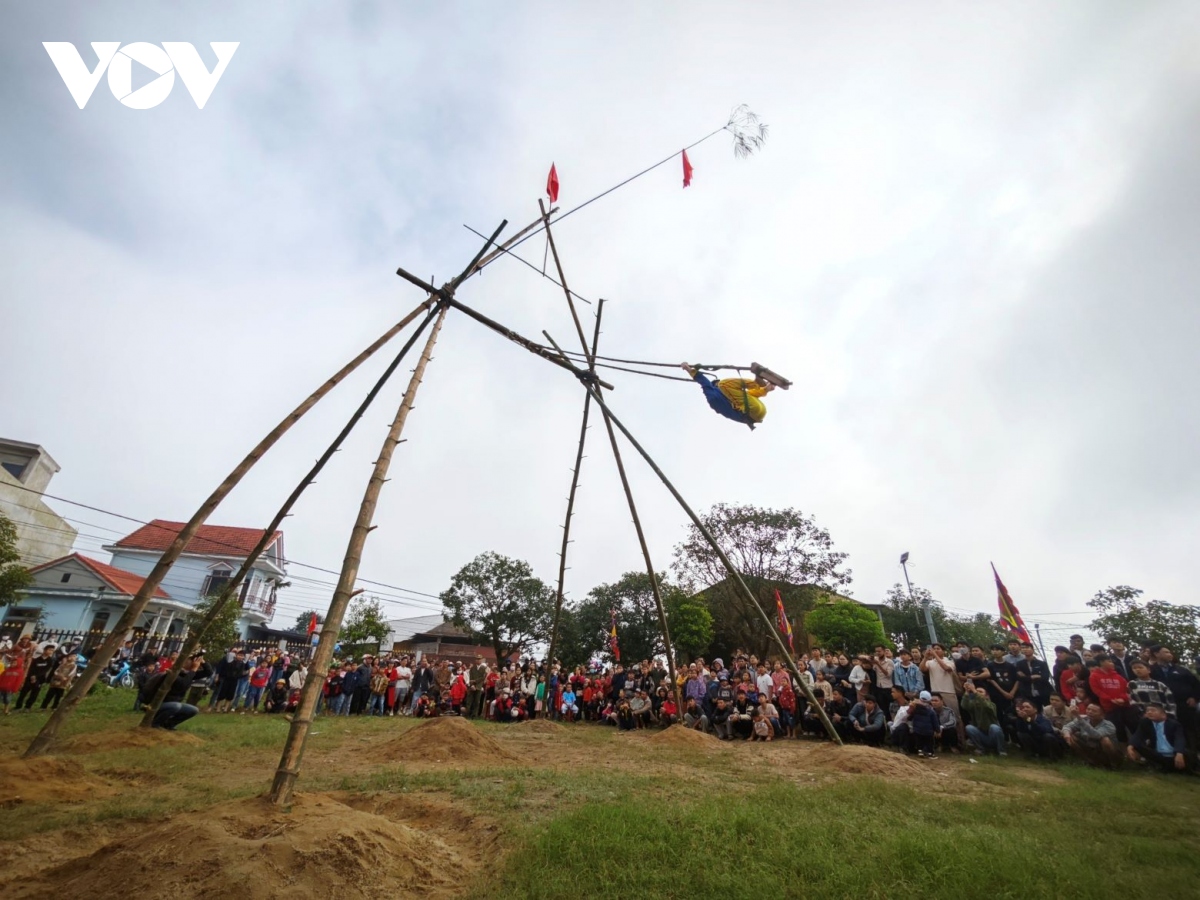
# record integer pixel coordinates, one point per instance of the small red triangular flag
(312, 624)
(552, 184)
(687, 170)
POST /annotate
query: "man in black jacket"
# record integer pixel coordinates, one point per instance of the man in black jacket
(40, 670)
(1034, 732)
(1160, 741)
(422, 683)
(174, 711)
(1122, 659)
(1033, 677)
(1185, 690)
(362, 686)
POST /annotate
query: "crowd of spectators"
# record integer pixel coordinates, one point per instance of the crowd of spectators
(1106, 705)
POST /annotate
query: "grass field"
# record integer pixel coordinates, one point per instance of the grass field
(581, 811)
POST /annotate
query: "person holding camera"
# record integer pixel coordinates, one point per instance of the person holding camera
(174, 711)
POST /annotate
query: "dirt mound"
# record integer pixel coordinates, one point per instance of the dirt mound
(540, 726)
(47, 779)
(319, 848)
(689, 738)
(865, 761)
(457, 825)
(451, 740)
(22, 859)
(130, 739)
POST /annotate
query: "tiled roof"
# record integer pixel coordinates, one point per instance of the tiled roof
(209, 540)
(403, 629)
(117, 579)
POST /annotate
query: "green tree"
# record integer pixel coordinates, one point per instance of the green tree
(772, 549)
(13, 575)
(222, 633)
(977, 630)
(365, 623)
(845, 625)
(499, 601)
(639, 631)
(691, 626)
(304, 618)
(904, 621)
(1123, 616)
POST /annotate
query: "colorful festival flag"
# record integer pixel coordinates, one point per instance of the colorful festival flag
(785, 624)
(1010, 617)
(612, 639)
(552, 184)
(312, 624)
(687, 170)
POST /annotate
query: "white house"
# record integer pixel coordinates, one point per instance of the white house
(76, 593)
(79, 594)
(209, 561)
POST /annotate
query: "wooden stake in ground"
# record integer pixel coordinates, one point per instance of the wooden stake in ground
(196, 635)
(45, 738)
(288, 771)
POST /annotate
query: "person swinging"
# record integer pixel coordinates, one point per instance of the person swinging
(736, 398)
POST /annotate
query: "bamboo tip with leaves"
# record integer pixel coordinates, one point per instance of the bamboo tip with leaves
(749, 131)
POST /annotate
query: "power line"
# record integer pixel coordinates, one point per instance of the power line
(241, 550)
(610, 190)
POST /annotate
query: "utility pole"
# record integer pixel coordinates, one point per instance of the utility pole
(924, 603)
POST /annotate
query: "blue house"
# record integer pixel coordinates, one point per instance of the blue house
(80, 594)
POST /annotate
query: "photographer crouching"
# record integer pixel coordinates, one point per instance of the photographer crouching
(174, 711)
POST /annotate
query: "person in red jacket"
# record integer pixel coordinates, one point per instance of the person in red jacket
(1112, 692)
(458, 693)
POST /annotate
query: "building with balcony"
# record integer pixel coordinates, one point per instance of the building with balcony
(208, 562)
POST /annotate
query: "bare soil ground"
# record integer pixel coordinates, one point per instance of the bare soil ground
(389, 807)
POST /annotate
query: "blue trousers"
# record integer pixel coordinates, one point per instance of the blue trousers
(993, 740)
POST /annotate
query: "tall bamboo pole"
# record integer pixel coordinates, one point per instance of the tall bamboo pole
(45, 738)
(503, 248)
(196, 635)
(562, 556)
(293, 750)
(637, 522)
(562, 278)
(712, 542)
(288, 771)
(641, 536)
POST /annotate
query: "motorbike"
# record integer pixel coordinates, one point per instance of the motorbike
(118, 674)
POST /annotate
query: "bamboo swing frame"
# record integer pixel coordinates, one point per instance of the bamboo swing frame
(436, 305)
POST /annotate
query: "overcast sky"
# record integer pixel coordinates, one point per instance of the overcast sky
(970, 240)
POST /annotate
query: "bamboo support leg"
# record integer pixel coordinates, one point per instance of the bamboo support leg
(196, 635)
(293, 751)
(712, 542)
(45, 738)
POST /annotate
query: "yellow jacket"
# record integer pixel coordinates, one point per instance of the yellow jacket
(743, 393)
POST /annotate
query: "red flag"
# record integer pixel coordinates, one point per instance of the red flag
(312, 624)
(612, 639)
(687, 170)
(1010, 617)
(785, 625)
(552, 184)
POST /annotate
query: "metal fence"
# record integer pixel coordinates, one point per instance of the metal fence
(160, 644)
